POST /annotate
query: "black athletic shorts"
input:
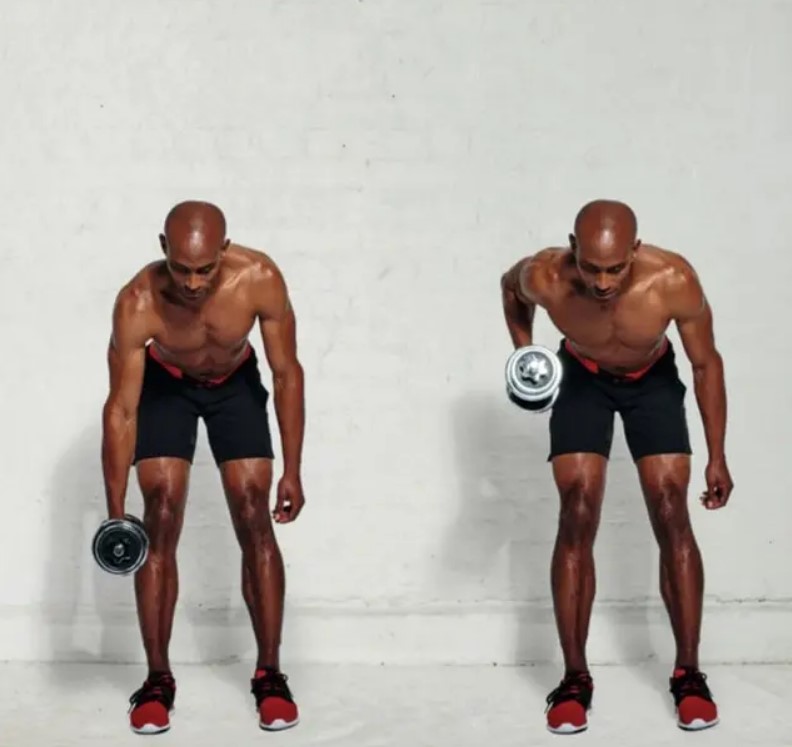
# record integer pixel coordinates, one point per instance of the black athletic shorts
(651, 407)
(234, 411)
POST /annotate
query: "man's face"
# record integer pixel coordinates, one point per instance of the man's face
(604, 265)
(193, 265)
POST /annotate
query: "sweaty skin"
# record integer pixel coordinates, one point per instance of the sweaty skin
(625, 334)
(197, 307)
(614, 299)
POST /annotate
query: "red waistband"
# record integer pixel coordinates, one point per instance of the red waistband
(593, 366)
(179, 374)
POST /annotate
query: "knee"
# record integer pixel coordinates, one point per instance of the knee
(579, 515)
(669, 508)
(252, 519)
(162, 519)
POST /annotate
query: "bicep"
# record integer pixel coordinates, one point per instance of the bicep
(126, 359)
(276, 320)
(519, 280)
(697, 336)
(279, 335)
(693, 316)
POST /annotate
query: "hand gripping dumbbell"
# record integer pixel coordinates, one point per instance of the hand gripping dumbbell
(121, 546)
(533, 378)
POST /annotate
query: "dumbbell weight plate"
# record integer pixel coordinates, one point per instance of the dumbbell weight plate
(533, 377)
(120, 546)
(538, 406)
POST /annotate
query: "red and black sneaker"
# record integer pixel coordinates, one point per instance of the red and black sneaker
(150, 706)
(694, 705)
(568, 703)
(276, 706)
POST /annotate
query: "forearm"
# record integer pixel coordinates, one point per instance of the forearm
(118, 451)
(710, 389)
(519, 316)
(289, 391)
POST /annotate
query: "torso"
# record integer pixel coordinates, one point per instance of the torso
(210, 340)
(624, 335)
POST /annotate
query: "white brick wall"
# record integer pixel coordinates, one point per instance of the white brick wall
(394, 157)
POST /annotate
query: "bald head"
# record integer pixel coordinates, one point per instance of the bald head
(195, 226)
(194, 239)
(606, 224)
(604, 242)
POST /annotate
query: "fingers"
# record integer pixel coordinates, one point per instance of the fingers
(287, 515)
(294, 511)
(287, 509)
(282, 512)
(714, 498)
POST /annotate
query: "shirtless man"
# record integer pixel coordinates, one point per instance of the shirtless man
(613, 298)
(179, 351)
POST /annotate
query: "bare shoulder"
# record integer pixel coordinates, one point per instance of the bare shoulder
(252, 263)
(134, 310)
(542, 273)
(137, 295)
(263, 277)
(675, 279)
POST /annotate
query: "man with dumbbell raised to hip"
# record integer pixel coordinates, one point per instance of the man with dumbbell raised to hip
(613, 298)
(179, 351)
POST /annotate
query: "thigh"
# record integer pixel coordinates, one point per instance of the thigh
(655, 421)
(581, 420)
(167, 420)
(237, 422)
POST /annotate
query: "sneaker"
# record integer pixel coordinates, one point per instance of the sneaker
(568, 703)
(276, 707)
(695, 707)
(151, 704)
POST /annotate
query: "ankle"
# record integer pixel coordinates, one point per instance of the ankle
(267, 666)
(160, 670)
(581, 671)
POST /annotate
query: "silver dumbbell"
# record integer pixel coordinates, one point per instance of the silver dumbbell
(533, 378)
(120, 546)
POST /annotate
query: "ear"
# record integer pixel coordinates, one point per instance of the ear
(226, 244)
(636, 245)
(163, 243)
(572, 242)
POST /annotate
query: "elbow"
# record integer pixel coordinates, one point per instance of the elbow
(712, 362)
(288, 377)
(117, 415)
(507, 284)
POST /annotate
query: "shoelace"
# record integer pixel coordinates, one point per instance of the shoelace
(159, 689)
(270, 684)
(573, 687)
(691, 682)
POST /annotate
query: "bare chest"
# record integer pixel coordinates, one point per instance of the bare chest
(619, 336)
(203, 343)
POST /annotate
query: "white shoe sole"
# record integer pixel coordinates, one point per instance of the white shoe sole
(697, 724)
(279, 725)
(150, 729)
(566, 729)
